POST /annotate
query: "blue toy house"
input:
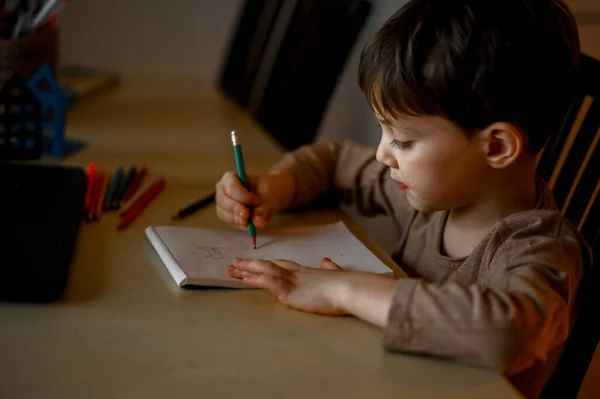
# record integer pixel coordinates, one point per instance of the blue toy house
(54, 111)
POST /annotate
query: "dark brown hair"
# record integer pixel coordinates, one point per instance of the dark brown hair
(475, 62)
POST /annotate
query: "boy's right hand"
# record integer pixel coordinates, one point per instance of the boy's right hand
(268, 194)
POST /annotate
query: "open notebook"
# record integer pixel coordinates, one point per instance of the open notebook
(196, 256)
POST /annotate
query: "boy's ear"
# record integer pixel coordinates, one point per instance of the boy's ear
(503, 144)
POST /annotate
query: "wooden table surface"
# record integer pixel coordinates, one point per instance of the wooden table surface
(124, 329)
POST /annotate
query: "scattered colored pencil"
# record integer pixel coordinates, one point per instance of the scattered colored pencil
(120, 190)
(141, 204)
(135, 184)
(103, 189)
(188, 210)
(91, 174)
(126, 206)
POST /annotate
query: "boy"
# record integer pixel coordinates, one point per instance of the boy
(467, 93)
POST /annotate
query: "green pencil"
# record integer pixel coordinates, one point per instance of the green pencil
(241, 172)
(114, 187)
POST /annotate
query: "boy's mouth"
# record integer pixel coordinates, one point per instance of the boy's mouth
(401, 186)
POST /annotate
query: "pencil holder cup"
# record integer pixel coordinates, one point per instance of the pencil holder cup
(23, 56)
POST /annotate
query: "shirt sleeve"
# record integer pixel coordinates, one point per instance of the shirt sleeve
(344, 173)
(517, 313)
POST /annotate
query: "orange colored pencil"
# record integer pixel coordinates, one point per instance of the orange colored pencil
(141, 204)
(102, 194)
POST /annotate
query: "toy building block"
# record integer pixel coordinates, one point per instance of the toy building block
(54, 113)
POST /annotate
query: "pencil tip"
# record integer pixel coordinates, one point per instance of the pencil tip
(253, 238)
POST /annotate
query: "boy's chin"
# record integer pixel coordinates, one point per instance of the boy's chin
(421, 206)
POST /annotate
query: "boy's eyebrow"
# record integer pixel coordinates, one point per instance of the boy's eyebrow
(397, 123)
(391, 122)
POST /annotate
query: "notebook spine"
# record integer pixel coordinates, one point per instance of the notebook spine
(166, 256)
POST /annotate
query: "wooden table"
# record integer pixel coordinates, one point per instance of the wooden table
(125, 330)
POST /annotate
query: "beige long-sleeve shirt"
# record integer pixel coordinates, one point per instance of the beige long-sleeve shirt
(509, 305)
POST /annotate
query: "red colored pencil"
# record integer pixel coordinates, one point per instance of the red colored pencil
(141, 203)
(138, 194)
(91, 174)
(135, 184)
(95, 197)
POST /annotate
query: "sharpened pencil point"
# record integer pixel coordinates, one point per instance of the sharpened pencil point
(253, 242)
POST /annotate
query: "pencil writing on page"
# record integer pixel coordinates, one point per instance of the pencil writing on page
(241, 172)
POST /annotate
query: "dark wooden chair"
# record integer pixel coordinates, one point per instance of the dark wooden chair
(570, 163)
(316, 42)
(253, 30)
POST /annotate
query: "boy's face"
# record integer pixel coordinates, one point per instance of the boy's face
(431, 158)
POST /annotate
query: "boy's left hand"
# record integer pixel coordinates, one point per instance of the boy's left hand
(304, 288)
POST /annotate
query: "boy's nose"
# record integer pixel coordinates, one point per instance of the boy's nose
(384, 155)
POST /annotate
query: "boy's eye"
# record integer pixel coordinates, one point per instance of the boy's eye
(402, 145)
